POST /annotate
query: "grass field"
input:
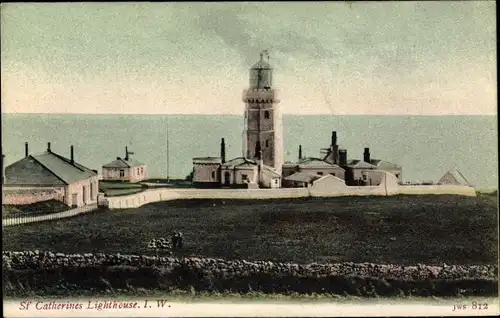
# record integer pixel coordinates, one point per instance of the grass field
(399, 229)
(34, 209)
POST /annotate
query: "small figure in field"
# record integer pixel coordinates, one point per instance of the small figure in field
(180, 243)
(177, 240)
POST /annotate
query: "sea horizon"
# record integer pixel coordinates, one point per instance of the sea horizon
(426, 146)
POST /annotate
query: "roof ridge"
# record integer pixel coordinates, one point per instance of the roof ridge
(125, 161)
(68, 161)
(58, 177)
(463, 177)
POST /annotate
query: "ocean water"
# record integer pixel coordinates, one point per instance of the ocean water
(426, 146)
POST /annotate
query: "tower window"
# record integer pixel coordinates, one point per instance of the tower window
(266, 114)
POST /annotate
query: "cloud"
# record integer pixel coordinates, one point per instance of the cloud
(249, 29)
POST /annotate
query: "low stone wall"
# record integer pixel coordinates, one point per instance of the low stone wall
(157, 195)
(115, 271)
(437, 189)
(22, 196)
(327, 186)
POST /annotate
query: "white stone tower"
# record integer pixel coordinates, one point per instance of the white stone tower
(263, 132)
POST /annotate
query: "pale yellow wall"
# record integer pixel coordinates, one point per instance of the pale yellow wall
(339, 172)
(270, 180)
(130, 174)
(77, 188)
(236, 175)
(438, 189)
(206, 173)
(327, 186)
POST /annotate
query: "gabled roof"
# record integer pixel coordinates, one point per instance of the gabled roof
(239, 161)
(384, 164)
(316, 163)
(208, 158)
(122, 163)
(62, 168)
(270, 169)
(360, 164)
(453, 177)
(302, 177)
(311, 162)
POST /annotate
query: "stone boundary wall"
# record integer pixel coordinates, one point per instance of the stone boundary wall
(22, 196)
(437, 189)
(48, 217)
(44, 259)
(327, 186)
(245, 276)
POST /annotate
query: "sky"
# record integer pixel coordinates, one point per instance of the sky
(353, 58)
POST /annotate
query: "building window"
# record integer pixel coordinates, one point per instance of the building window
(213, 174)
(267, 142)
(92, 196)
(138, 171)
(320, 173)
(266, 114)
(142, 170)
(244, 177)
(122, 173)
(397, 175)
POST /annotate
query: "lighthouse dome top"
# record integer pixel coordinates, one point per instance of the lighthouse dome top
(262, 64)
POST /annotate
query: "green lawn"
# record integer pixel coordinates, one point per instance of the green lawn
(399, 229)
(114, 188)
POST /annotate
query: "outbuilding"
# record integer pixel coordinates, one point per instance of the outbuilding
(124, 169)
(36, 176)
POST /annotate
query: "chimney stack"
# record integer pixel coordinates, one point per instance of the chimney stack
(342, 157)
(366, 155)
(300, 152)
(26, 152)
(48, 147)
(223, 150)
(126, 153)
(72, 154)
(334, 138)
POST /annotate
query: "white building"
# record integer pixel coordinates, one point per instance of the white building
(48, 172)
(263, 123)
(124, 169)
(262, 160)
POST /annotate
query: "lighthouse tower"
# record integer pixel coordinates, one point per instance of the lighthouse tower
(263, 127)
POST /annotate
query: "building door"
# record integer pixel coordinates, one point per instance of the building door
(84, 194)
(74, 199)
(227, 178)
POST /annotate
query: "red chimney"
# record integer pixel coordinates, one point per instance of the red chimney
(72, 155)
(26, 153)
